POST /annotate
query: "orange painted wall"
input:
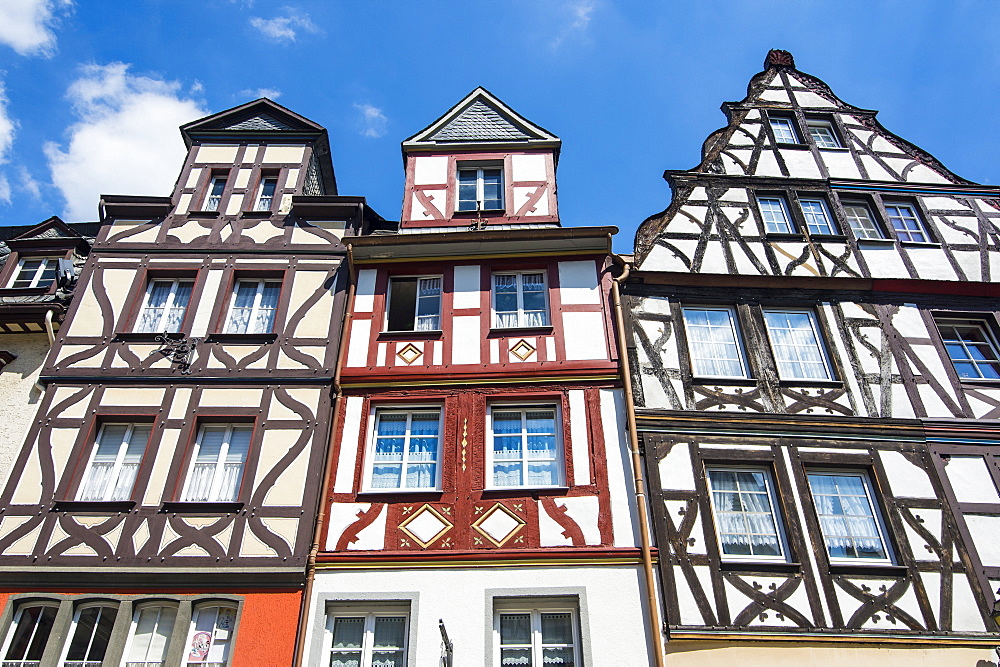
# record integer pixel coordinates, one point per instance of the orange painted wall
(266, 633)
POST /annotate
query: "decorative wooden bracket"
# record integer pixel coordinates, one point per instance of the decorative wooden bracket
(178, 349)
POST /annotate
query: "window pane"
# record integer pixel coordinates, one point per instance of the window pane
(492, 189)
(861, 222)
(31, 634)
(91, 635)
(467, 189)
(744, 514)
(784, 132)
(775, 215)
(406, 442)
(817, 216)
(712, 342)
(972, 351)
(849, 527)
(402, 302)
(905, 222)
(428, 304)
(823, 135)
(153, 627)
(515, 629)
(796, 345)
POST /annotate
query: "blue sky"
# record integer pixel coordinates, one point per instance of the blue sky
(93, 91)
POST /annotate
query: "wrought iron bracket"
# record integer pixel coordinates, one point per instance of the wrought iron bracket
(178, 349)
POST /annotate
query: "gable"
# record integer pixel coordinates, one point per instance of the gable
(263, 122)
(479, 122)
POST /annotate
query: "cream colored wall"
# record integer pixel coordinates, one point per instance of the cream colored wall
(18, 395)
(804, 654)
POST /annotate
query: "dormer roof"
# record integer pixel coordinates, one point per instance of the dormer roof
(481, 120)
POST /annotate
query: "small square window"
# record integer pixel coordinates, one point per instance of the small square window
(253, 308)
(797, 346)
(364, 638)
(114, 463)
(714, 342)
(520, 300)
(29, 634)
(525, 447)
(861, 221)
(210, 639)
(217, 462)
(265, 193)
(906, 222)
(215, 189)
(746, 522)
(164, 306)
(35, 272)
(972, 348)
(414, 304)
(530, 632)
(405, 450)
(90, 636)
(480, 188)
(817, 215)
(851, 525)
(823, 134)
(784, 130)
(774, 211)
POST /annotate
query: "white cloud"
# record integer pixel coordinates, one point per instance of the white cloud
(27, 183)
(579, 19)
(125, 140)
(26, 25)
(7, 129)
(373, 121)
(284, 28)
(254, 93)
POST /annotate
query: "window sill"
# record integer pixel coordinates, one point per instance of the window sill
(177, 507)
(26, 291)
(920, 244)
(256, 214)
(395, 335)
(241, 338)
(785, 237)
(879, 569)
(103, 506)
(986, 382)
(205, 214)
(494, 492)
(877, 242)
(385, 492)
(797, 147)
(485, 211)
(832, 384)
(759, 565)
(515, 331)
(146, 337)
(742, 382)
(834, 149)
(828, 237)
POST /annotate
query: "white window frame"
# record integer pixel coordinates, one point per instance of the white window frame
(520, 298)
(416, 302)
(560, 456)
(255, 310)
(830, 225)
(789, 226)
(991, 341)
(817, 335)
(737, 339)
(220, 463)
(214, 202)
(259, 200)
(136, 612)
(370, 462)
(203, 608)
(821, 142)
(535, 607)
(860, 231)
(883, 534)
(39, 272)
(63, 658)
(174, 286)
(12, 630)
(788, 124)
(914, 215)
(119, 461)
(367, 644)
(480, 186)
(772, 498)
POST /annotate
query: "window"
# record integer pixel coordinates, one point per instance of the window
(784, 130)
(713, 342)
(374, 639)
(211, 636)
(823, 134)
(861, 221)
(527, 633)
(254, 305)
(35, 272)
(525, 447)
(164, 305)
(852, 528)
(266, 195)
(91, 634)
(414, 304)
(217, 463)
(28, 635)
(971, 347)
(904, 220)
(774, 210)
(480, 189)
(215, 190)
(406, 449)
(795, 341)
(817, 215)
(149, 636)
(519, 300)
(114, 463)
(746, 523)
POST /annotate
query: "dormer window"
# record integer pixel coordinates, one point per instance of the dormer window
(265, 197)
(480, 188)
(216, 188)
(784, 130)
(823, 134)
(35, 272)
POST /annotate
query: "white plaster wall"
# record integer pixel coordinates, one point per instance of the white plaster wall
(467, 287)
(18, 395)
(578, 283)
(430, 170)
(802, 654)
(585, 339)
(528, 167)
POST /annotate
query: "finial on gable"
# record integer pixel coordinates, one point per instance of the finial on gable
(779, 58)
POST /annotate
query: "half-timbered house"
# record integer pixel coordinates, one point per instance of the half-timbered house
(815, 361)
(162, 507)
(480, 497)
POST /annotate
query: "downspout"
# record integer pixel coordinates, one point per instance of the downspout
(640, 484)
(303, 629)
(48, 327)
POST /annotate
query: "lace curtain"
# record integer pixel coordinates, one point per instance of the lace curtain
(165, 307)
(112, 471)
(254, 307)
(218, 467)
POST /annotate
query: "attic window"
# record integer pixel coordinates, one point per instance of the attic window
(823, 134)
(216, 188)
(784, 130)
(35, 272)
(480, 188)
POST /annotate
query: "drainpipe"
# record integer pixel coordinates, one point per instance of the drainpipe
(48, 327)
(640, 484)
(328, 467)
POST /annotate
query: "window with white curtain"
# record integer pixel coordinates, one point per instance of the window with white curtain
(28, 635)
(163, 306)
(215, 190)
(797, 345)
(414, 304)
(35, 272)
(90, 636)
(714, 342)
(852, 527)
(406, 449)
(210, 639)
(152, 626)
(536, 632)
(525, 447)
(253, 307)
(217, 463)
(366, 637)
(520, 300)
(746, 522)
(114, 462)
(265, 195)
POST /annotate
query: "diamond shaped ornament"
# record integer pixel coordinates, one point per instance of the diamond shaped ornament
(426, 526)
(499, 524)
(522, 350)
(409, 354)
